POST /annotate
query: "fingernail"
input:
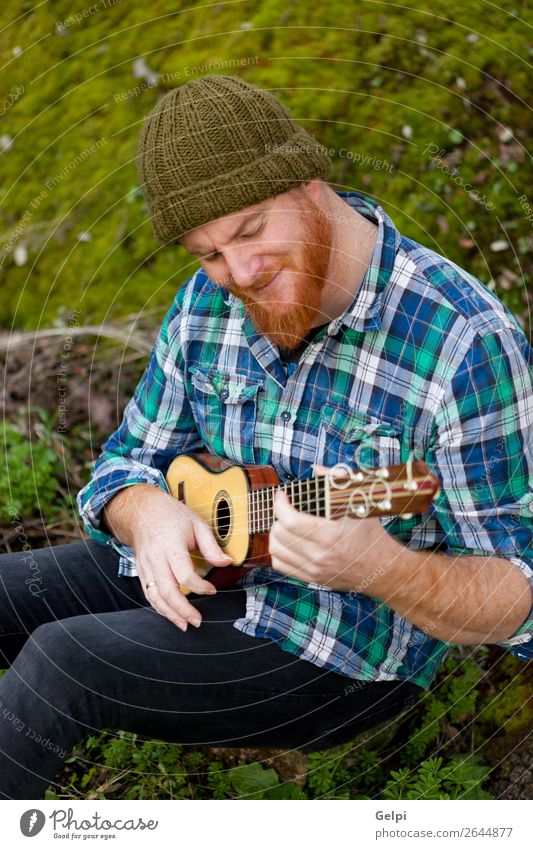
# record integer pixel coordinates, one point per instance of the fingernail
(196, 622)
(183, 627)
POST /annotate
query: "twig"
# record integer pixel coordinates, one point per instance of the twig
(18, 339)
(107, 784)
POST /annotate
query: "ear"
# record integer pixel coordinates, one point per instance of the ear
(314, 188)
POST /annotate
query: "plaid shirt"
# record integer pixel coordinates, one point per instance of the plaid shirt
(425, 362)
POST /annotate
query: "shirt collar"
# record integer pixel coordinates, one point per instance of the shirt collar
(364, 311)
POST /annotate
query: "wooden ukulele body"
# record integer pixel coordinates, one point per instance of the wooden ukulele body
(219, 492)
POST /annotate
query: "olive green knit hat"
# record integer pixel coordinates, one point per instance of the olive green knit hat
(216, 145)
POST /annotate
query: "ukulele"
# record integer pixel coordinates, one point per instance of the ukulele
(237, 502)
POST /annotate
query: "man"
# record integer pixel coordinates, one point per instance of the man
(313, 333)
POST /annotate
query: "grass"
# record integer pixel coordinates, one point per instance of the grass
(412, 101)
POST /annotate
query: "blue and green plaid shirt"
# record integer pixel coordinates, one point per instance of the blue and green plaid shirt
(425, 362)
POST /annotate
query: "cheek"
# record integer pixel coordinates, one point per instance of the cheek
(217, 272)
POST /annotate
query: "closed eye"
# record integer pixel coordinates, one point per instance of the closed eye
(254, 233)
(216, 254)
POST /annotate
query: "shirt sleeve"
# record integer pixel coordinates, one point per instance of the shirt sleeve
(482, 453)
(157, 425)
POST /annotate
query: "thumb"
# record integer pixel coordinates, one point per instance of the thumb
(209, 548)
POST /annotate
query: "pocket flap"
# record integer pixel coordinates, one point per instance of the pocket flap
(352, 425)
(360, 439)
(228, 388)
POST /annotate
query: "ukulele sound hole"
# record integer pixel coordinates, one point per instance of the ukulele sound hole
(222, 518)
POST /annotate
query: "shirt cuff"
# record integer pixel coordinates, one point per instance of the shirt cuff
(524, 633)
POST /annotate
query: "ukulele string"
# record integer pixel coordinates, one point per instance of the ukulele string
(260, 507)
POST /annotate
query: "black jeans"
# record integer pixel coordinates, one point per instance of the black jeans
(87, 652)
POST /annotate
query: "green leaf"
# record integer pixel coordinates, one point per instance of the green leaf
(456, 137)
(252, 778)
(285, 791)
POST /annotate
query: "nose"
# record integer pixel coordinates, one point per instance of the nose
(244, 265)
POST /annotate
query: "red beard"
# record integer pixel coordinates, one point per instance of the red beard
(285, 323)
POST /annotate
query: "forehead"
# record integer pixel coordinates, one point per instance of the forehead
(222, 228)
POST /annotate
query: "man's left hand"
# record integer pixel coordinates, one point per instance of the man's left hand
(344, 554)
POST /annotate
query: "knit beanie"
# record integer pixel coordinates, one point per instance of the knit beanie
(217, 145)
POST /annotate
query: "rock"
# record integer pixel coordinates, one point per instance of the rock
(499, 245)
(142, 71)
(512, 777)
(505, 135)
(6, 141)
(20, 255)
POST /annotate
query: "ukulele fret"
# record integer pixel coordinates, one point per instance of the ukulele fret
(308, 506)
(265, 510)
(254, 512)
(251, 528)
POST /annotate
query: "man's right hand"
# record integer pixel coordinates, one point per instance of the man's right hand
(162, 532)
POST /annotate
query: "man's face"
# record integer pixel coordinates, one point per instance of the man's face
(274, 256)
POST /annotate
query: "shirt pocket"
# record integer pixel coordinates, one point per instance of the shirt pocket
(225, 411)
(347, 435)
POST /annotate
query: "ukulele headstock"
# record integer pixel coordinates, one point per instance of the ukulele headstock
(401, 490)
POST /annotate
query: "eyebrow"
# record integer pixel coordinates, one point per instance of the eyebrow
(199, 252)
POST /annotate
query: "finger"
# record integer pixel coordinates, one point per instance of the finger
(182, 568)
(280, 534)
(292, 519)
(160, 606)
(168, 592)
(190, 579)
(172, 607)
(166, 596)
(290, 570)
(283, 543)
(320, 470)
(209, 547)
(294, 558)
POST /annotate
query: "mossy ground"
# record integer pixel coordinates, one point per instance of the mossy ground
(402, 95)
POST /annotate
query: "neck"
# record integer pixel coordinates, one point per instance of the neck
(353, 241)
(307, 496)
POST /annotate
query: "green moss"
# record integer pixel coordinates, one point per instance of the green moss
(356, 75)
(509, 707)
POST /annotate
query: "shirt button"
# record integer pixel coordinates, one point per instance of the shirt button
(285, 415)
(224, 394)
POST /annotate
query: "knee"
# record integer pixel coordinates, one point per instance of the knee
(52, 660)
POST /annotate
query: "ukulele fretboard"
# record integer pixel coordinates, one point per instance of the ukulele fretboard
(307, 496)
